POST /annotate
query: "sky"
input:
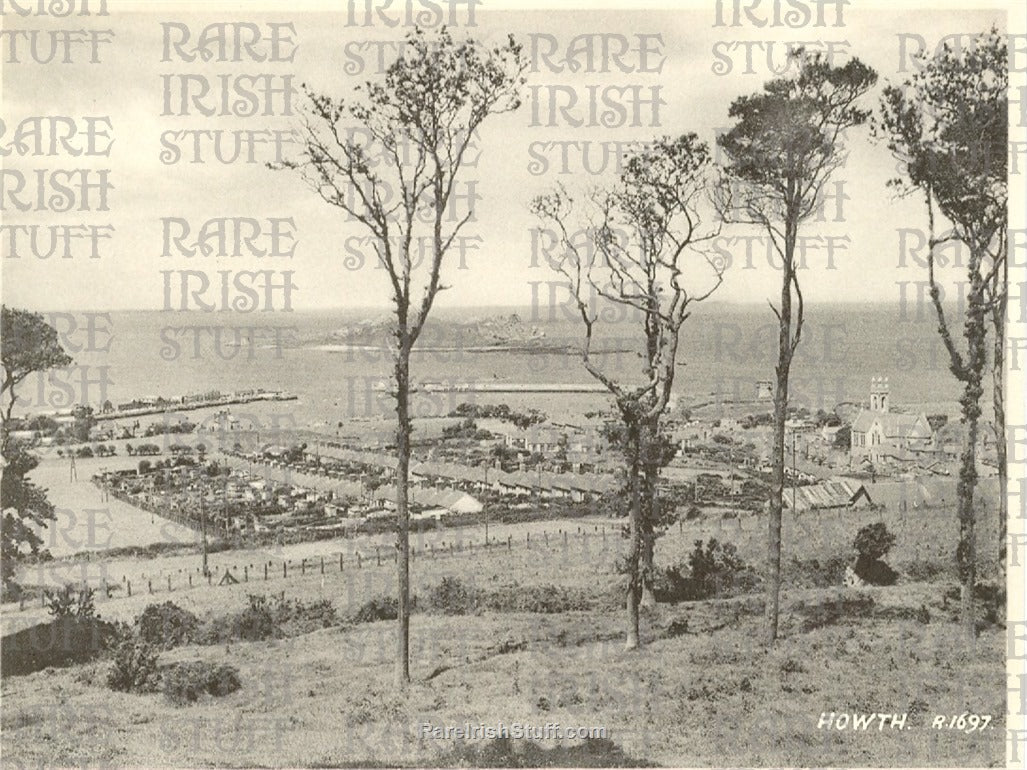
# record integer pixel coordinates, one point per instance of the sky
(696, 86)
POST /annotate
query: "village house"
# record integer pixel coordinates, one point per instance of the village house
(880, 435)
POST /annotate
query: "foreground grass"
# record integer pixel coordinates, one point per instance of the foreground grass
(701, 692)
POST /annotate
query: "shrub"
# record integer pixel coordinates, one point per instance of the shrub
(268, 617)
(293, 617)
(875, 573)
(256, 621)
(714, 570)
(379, 608)
(69, 601)
(543, 599)
(185, 682)
(167, 625)
(453, 597)
(872, 543)
(134, 668)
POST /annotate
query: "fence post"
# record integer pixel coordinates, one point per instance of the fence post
(129, 585)
(565, 537)
(190, 579)
(169, 583)
(149, 586)
(210, 578)
(359, 560)
(322, 565)
(509, 542)
(378, 555)
(265, 570)
(245, 573)
(340, 562)
(303, 566)
(285, 569)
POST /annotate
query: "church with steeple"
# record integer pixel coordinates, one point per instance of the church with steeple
(881, 435)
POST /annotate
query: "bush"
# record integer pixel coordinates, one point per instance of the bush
(167, 625)
(69, 601)
(134, 668)
(379, 608)
(714, 570)
(256, 621)
(872, 543)
(186, 682)
(267, 618)
(875, 573)
(453, 597)
(543, 599)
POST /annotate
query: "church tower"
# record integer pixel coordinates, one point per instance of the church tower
(879, 394)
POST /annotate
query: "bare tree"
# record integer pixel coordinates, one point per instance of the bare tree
(785, 146)
(421, 119)
(948, 125)
(642, 252)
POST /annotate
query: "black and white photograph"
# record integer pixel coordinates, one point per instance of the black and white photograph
(497, 384)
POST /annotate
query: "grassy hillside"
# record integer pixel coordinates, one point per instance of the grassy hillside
(702, 692)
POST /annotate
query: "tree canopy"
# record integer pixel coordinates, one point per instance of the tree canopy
(29, 344)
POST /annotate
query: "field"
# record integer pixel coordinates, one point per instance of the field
(708, 695)
(702, 691)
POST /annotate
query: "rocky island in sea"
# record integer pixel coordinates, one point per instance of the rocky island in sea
(495, 333)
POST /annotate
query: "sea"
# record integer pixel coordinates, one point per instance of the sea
(725, 349)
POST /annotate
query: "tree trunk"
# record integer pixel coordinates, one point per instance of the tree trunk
(402, 514)
(634, 547)
(966, 553)
(999, 406)
(649, 508)
(777, 485)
